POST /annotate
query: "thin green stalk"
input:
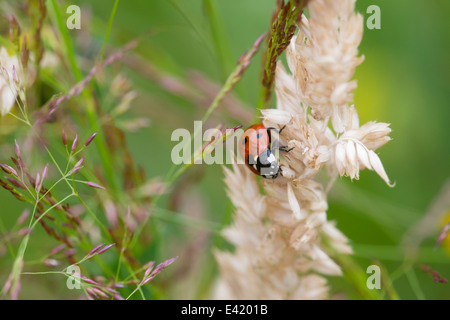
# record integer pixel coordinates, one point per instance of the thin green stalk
(139, 287)
(415, 285)
(182, 219)
(198, 29)
(231, 81)
(220, 41)
(20, 119)
(96, 219)
(352, 272)
(356, 276)
(88, 209)
(4, 231)
(18, 262)
(70, 51)
(49, 209)
(108, 30)
(386, 282)
(43, 272)
(93, 119)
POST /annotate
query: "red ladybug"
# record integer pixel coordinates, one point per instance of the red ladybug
(258, 147)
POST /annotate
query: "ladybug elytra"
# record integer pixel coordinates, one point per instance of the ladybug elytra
(259, 148)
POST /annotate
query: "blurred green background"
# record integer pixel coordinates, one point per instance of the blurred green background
(404, 81)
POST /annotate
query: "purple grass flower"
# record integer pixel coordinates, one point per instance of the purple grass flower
(442, 235)
(44, 172)
(160, 267)
(110, 290)
(9, 170)
(94, 185)
(89, 140)
(70, 252)
(38, 182)
(16, 183)
(23, 217)
(23, 231)
(74, 144)
(78, 166)
(91, 294)
(80, 162)
(57, 249)
(149, 269)
(106, 248)
(16, 149)
(147, 280)
(95, 249)
(100, 293)
(90, 281)
(74, 171)
(64, 138)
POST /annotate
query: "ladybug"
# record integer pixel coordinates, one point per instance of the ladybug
(258, 147)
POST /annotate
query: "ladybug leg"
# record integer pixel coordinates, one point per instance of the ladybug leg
(284, 149)
(275, 129)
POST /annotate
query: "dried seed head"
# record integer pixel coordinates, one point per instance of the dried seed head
(280, 236)
(8, 88)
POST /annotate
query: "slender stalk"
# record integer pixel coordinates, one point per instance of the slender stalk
(18, 262)
(198, 29)
(356, 276)
(91, 112)
(108, 31)
(231, 81)
(415, 285)
(220, 41)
